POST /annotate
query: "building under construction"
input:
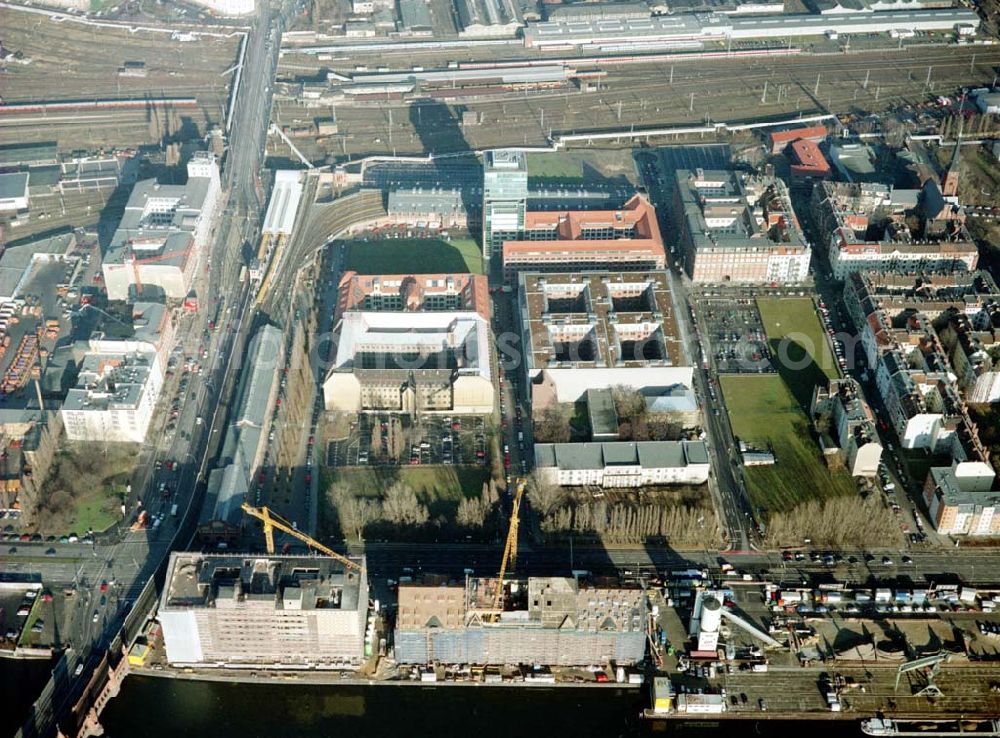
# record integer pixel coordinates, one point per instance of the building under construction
(264, 611)
(556, 621)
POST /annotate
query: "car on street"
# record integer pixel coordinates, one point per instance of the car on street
(887, 561)
(97, 616)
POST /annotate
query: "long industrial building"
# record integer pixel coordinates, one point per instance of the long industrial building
(623, 464)
(694, 29)
(555, 621)
(247, 611)
(246, 439)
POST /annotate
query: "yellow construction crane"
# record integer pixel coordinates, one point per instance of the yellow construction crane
(509, 551)
(272, 521)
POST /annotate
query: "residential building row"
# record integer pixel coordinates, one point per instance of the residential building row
(877, 228)
(849, 430)
(913, 358)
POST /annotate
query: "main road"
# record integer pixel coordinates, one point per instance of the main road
(126, 564)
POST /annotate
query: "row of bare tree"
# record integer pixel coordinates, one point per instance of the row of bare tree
(561, 512)
(847, 521)
(399, 511)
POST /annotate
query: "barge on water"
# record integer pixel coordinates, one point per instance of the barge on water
(963, 727)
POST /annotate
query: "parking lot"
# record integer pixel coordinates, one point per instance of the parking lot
(379, 440)
(735, 334)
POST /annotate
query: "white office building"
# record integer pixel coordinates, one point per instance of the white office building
(623, 464)
(114, 398)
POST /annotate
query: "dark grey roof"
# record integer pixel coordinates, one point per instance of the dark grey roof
(32, 153)
(647, 454)
(14, 184)
(601, 411)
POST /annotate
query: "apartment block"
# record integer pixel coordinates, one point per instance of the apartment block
(740, 228)
(587, 240)
(267, 612)
(114, 398)
(963, 504)
(873, 227)
(597, 330)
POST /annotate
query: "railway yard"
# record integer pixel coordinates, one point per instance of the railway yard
(632, 95)
(58, 63)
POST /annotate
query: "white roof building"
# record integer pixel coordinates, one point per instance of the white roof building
(13, 191)
(284, 204)
(405, 361)
(114, 398)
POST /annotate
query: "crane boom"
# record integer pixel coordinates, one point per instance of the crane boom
(509, 550)
(272, 521)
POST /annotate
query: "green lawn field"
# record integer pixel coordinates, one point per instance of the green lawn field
(799, 346)
(415, 256)
(763, 411)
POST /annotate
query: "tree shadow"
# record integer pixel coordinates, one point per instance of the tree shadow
(797, 368)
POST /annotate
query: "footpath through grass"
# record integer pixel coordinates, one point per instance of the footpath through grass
(415, 256)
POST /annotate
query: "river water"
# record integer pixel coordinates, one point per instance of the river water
(156, 707)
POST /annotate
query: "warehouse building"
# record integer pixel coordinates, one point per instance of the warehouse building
(553, 240)
(867, 228)
(488, 18)
(691, 30)
(14, 192)
(623, 464)
(555, 621)
(586, 11)
(114, 398)
(29, 154)
(21, 260)
(738, 227)
(263, 612)
(245, 442)
(163, 233)
(411, 361)
(599, 330)
(433, 208)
